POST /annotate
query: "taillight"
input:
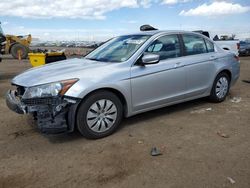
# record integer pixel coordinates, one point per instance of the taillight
(237, 58)
(238, 46)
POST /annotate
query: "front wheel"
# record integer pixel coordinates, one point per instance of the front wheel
(220, 87)
(99, 115)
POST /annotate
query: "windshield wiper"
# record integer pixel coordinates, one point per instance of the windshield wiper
(93, 59)
(101, 60)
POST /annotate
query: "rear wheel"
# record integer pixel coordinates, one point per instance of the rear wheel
(99, 115)
(17, 49)
(220, 88)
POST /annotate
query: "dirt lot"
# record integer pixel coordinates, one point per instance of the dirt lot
(190, 136)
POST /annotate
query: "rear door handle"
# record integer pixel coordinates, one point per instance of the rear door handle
(178, 65)
(212, 57)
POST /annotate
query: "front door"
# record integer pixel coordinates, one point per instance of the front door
(162, 83)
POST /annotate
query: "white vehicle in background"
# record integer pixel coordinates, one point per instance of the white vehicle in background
(224, 42)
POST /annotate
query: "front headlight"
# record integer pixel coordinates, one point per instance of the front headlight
(49, 90)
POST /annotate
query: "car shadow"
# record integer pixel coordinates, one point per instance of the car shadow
(163, 112)
(53, 138)
(64, 137)
(131, 121)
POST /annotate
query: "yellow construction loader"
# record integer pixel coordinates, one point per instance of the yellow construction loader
(17, 46)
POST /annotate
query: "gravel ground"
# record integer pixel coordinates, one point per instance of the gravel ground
(202, 144)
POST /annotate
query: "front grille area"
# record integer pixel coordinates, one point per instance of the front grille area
(41, 101)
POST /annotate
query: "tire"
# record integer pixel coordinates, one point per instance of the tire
(19, 47)
(220, 88)
(92, 121)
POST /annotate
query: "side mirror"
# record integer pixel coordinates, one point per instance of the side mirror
(149, 58)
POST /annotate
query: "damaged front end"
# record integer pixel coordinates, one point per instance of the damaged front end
(54, 114)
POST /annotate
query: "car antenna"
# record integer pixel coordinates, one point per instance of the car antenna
(147, 27)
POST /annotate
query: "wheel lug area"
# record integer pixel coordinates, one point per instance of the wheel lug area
(99, 118)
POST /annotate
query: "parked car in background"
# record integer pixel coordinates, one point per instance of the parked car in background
(230, 44)
(127, 75)
(244, 48)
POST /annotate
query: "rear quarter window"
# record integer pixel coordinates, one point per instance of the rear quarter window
(210, 46)
(194, 44)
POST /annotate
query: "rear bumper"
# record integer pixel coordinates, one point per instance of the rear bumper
(235, 73)
(234, 79)
(52, 118)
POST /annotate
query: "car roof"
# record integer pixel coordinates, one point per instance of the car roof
(155, 32)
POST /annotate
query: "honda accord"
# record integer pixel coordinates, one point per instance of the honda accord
(125, 76)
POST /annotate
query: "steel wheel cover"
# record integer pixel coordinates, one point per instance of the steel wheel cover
(101, 115)
(221, 87)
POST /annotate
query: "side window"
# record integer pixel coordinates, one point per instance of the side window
(194, 44)
(167, 47)
(210, 46)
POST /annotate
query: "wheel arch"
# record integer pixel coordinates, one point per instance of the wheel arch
(72, 114)
(118, 93)
(228, 72)
(74, 109)
(212, 96)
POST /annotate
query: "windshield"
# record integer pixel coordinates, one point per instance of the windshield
(118, 49)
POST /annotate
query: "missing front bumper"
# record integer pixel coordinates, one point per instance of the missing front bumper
(13, 103)
(54, 115)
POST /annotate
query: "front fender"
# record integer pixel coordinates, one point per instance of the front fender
(80, 90)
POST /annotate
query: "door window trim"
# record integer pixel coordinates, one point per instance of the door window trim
(162, 35)
(183, 44)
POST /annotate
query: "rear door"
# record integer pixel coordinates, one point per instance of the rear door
(200, 60)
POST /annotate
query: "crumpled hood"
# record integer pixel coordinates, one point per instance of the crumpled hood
(63, 70)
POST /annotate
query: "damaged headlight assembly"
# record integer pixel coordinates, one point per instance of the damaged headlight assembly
(49, 106)
(49, 90)
(51, 95)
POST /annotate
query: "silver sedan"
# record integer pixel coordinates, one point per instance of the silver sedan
(125, 76)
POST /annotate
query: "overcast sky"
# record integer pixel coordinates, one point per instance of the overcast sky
(102, 19)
